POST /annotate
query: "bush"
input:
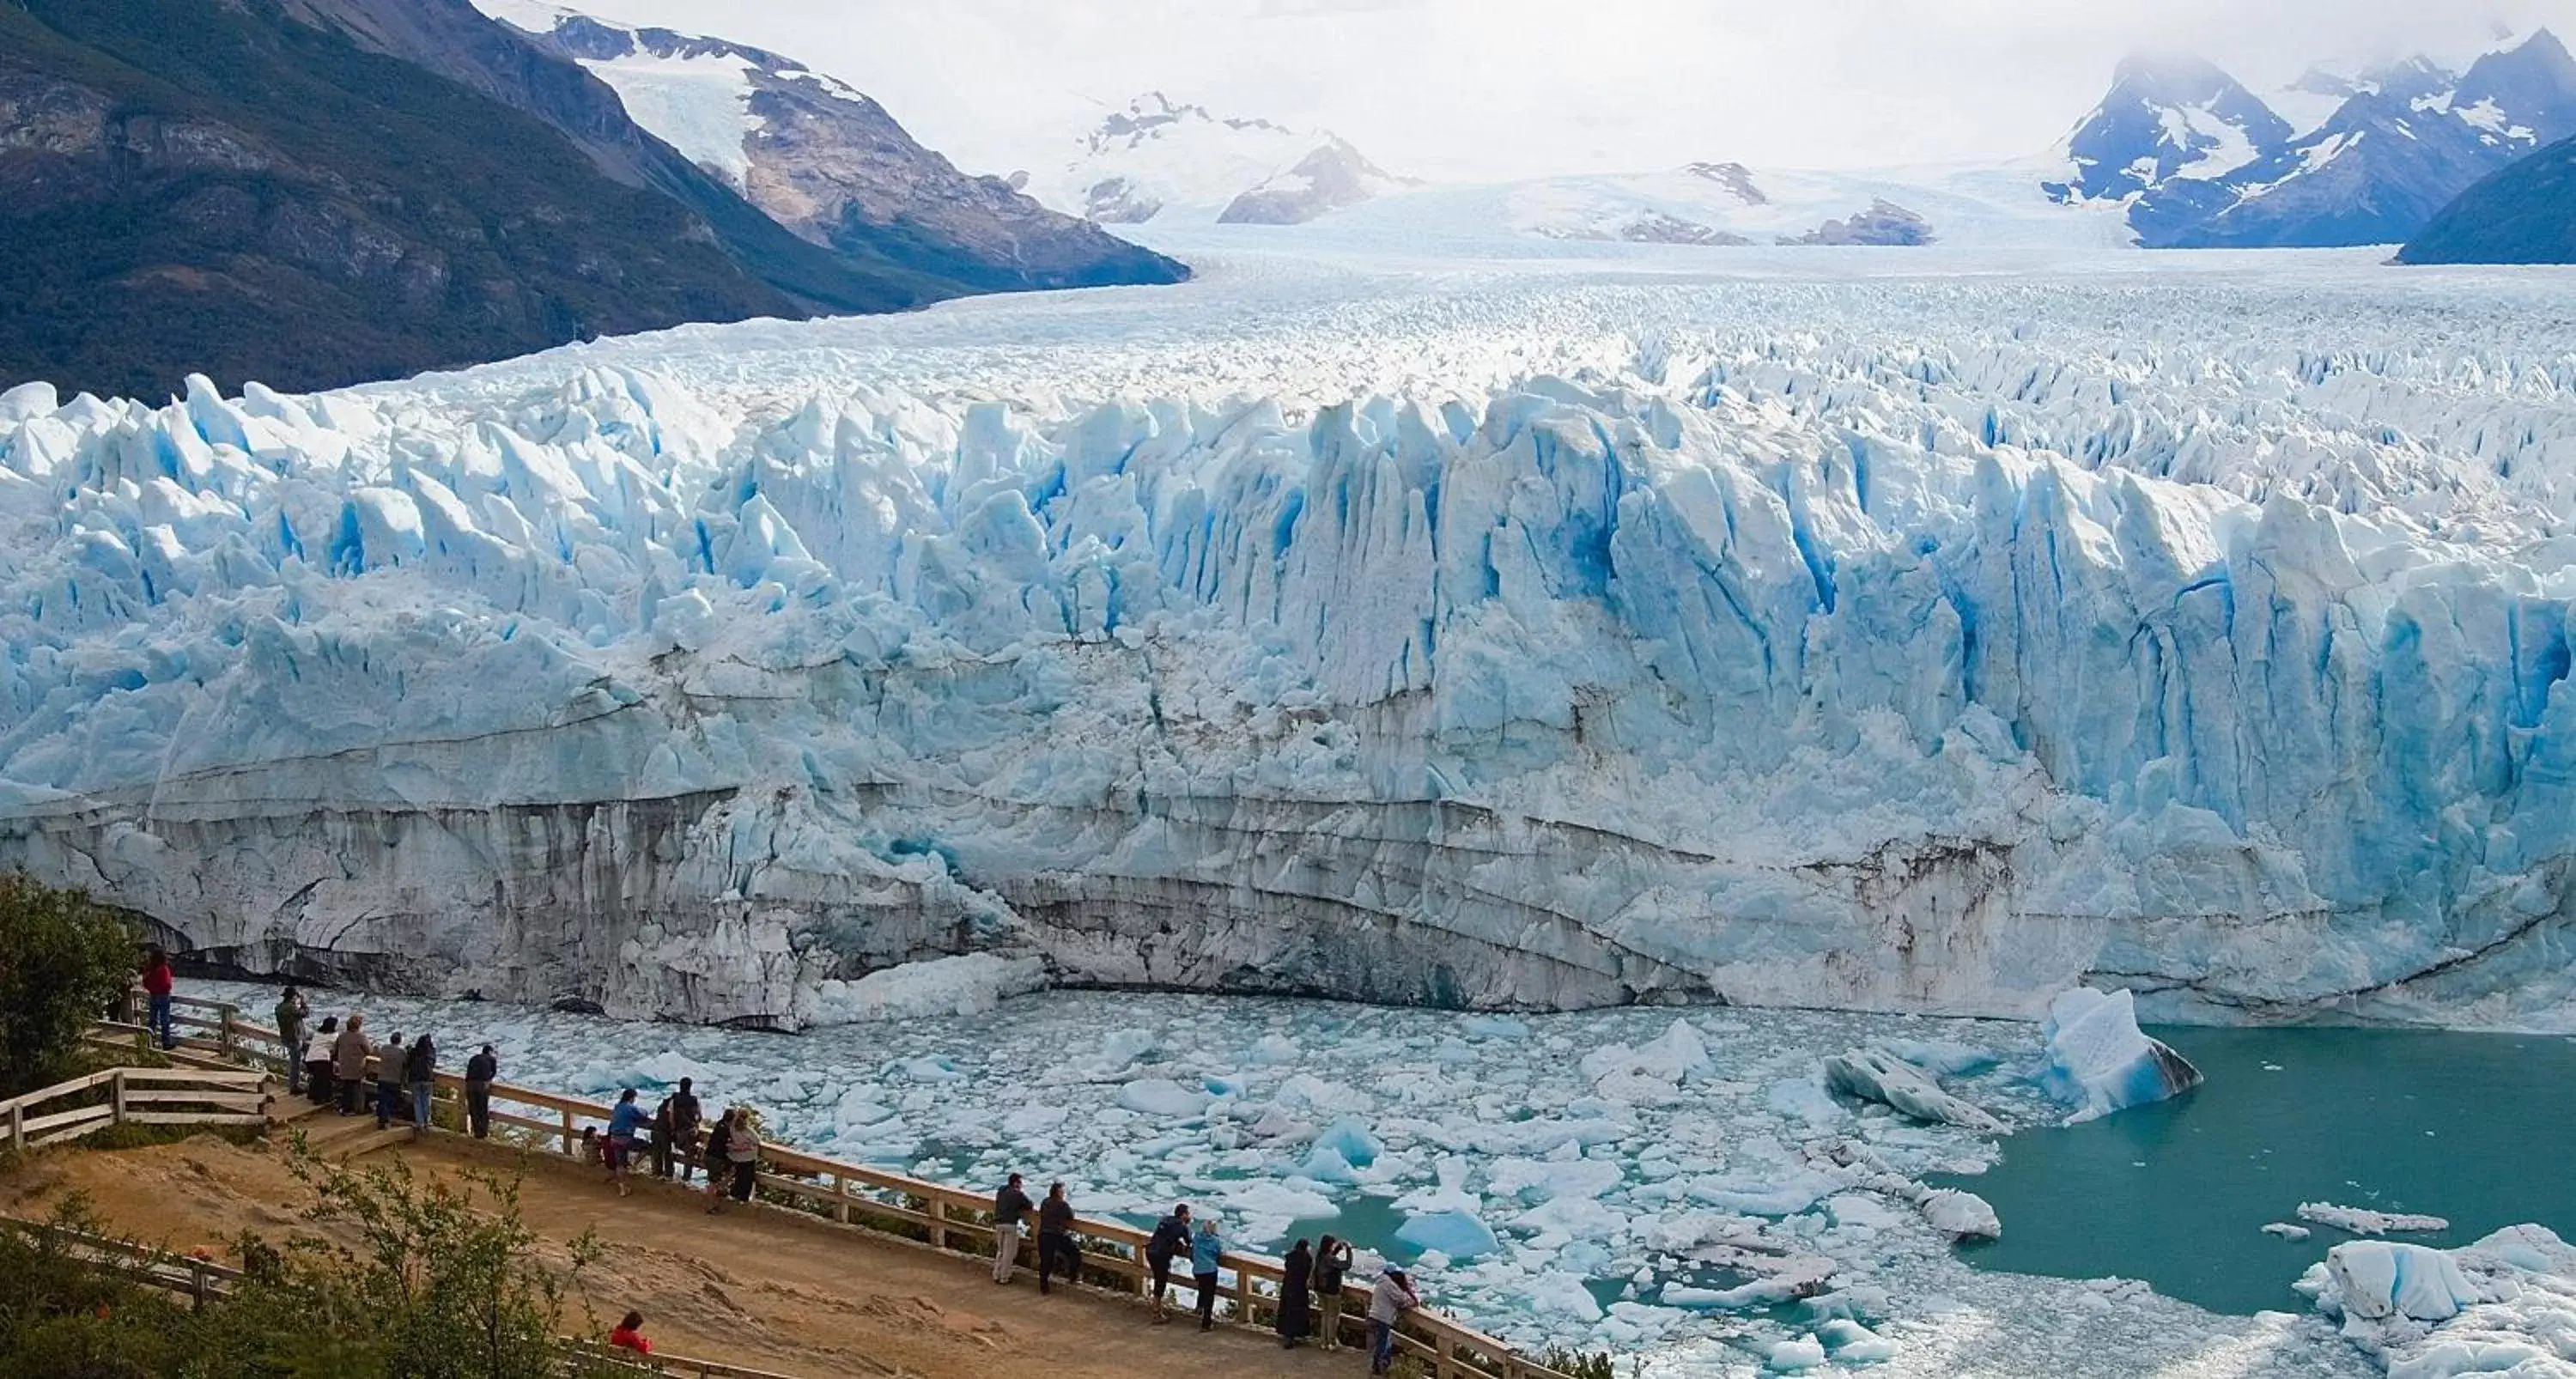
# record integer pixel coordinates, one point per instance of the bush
(63, 961)
(441, 1283)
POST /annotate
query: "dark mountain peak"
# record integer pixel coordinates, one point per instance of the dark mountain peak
(2167, 116)
(2170, 78)
(2324, 81)
(2407, 79)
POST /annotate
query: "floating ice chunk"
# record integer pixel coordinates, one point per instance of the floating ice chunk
(930, 1068)
(2361, 1221)
(2100, 1062)
(2286, 1231)
(1162, 1097)
(1548, 1179)
(1123, 1047)
(1752, 1196)
(1259, 1198)
(2376, 1279)
(967, 985)
(1272, 1050)
(1493, 1027)
(1961, 1215)
(1352, 1141)
(1796, 1357)
(1876, 1075)
(1804, 1098)
(1325, 1164)
(1851, 1343)
(1944, 1057)
(1457, 1234)
(859, 1107)
(1556, 1291)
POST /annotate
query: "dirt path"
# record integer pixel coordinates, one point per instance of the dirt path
(756, 1287)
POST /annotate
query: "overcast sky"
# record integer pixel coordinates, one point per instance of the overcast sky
(1490, 89)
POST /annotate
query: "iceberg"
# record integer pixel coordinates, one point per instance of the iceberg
(2503, 1305)
(2100, 1062)
(1876, 1075)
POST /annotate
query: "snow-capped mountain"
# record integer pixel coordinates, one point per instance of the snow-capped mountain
(2166, 117)
(1158, 160)
(829, 162)
(2365, 160)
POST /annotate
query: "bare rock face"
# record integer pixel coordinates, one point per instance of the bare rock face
(1884, 223)
(1735, 177)
(831, 164)
(1332, 177)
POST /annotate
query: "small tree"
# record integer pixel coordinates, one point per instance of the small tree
(63, 959)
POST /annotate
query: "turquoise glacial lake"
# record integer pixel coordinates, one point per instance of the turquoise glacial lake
(2477, 1128)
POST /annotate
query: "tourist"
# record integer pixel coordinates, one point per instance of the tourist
(629, 1335)
(1206, 1249)
(317, 1060)
(420, 1069)
(1388, 1302)
(1171, 1236)
(349, 1062)
(480, 1071)
(157, 985)
(389, 1070)
(685, 1117)
(1296, 1295)
(1056, 1251)
(1011, 1207)
(624, 1123)
(662, 1138)
(1332, 1261)
(291, 1011)
(742, 1151)
(719, 1143)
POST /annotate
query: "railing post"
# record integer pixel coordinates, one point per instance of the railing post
(224, 1029)
(17, 1126)
(840, 1200)
(116, 1097)
(568, 1135)
(196, 1286)
(938, 1222)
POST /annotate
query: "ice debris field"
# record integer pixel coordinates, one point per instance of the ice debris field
(1680, 1186)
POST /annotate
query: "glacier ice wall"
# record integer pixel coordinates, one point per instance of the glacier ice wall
(1919, 645)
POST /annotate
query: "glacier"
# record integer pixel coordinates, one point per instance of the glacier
(1916, 632)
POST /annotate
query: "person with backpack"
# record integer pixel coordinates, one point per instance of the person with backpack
(625, 1122)
(481, 1071)
(316, 1054)
(1056, 1251)
(1170, 1239)
(1332, 1262)
(420, 1069)
(1207, 1250)
(1388, 1302)
(291, 1011)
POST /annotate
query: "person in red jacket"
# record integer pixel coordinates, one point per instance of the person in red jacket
(629, 1335)
(156, 984)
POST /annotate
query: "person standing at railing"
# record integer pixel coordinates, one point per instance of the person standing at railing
(1171, 1238)
(349, 1062)
(1296, 1294)
(316, 1054)
(685, 1117)
(1332, 1264)
(742, 1151)
(157, 985)
(662, 1138)
(719, 1145)
(625, 1122)
(291, 1011)
(1011, 1207)
(420, 1069)
(1056, 1251)
(389, 1071)
(1388, 1302)
(480, 1072)
(1207, 1249)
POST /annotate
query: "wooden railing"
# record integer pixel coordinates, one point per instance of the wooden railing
(947, 1219)
(134, 1096)
(204, 1281)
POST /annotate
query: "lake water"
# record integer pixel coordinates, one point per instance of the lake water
(2471, 1127)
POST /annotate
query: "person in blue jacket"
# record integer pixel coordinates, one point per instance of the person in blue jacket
(1206, 1248)
(625, 1123)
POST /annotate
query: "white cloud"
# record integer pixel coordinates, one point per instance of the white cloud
(1501, 88)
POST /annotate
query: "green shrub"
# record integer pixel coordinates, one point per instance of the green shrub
(63, 961)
